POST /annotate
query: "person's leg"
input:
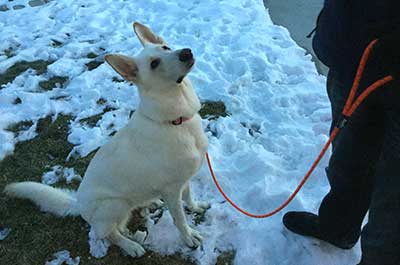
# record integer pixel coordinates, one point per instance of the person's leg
(351, 167)
(355, 152)
(338, 92)
(380, 238)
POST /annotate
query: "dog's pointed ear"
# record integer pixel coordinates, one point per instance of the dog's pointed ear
(123, 65)
(145, 34)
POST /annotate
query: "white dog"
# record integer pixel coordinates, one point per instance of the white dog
(151, 158)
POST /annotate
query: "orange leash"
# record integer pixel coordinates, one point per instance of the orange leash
(349, 109)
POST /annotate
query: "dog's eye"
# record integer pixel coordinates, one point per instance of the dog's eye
(155, 63)
(166, 48)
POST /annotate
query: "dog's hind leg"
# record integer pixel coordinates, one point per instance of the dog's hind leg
(173, 201)
(107, 221)
(193, 206)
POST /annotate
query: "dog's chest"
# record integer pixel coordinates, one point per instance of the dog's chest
(145, 150)
(183, 154)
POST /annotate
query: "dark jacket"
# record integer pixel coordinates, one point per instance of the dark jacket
(345, 27)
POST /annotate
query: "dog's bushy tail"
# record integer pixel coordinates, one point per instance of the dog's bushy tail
(60, 202)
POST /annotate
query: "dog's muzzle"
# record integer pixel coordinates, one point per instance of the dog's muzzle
(185, 55)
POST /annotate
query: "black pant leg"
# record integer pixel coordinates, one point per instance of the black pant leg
(380, 238)
(351, 167)
(337, 91)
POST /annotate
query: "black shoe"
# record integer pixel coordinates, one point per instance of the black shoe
(307, 224)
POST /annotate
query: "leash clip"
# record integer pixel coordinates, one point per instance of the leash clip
(342, 122)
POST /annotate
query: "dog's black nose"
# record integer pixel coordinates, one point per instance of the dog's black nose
(185, 55)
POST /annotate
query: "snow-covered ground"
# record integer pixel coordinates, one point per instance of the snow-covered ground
(63, 257)
(279, 113)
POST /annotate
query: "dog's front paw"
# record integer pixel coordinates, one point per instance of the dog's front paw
(199, 207)
(192, 238)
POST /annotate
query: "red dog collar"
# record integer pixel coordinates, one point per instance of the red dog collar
(180, 120)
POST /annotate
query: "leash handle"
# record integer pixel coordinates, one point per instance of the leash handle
(350, 107)
(351, 104)
(359, 74)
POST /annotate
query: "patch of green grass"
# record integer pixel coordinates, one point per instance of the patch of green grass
(52, 82)
(15, 128)
(93, 64)
(101, 101)
(92, 120)
(91, 55)
(9, 53)
(36, 236)
(108, 108)
(226, 258)
(11, 73)
(212, 110)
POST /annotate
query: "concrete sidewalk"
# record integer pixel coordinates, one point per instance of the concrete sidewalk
(299, 17)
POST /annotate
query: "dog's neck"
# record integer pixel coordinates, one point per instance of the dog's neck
(170, 103)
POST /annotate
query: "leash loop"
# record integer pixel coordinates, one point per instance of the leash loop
(351, 106)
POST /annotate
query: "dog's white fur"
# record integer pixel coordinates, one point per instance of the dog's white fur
(147, 160)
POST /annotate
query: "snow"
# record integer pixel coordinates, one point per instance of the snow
(63, 257)
(57, 173)
(98, 247)
(279, 112)
(4, 233)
